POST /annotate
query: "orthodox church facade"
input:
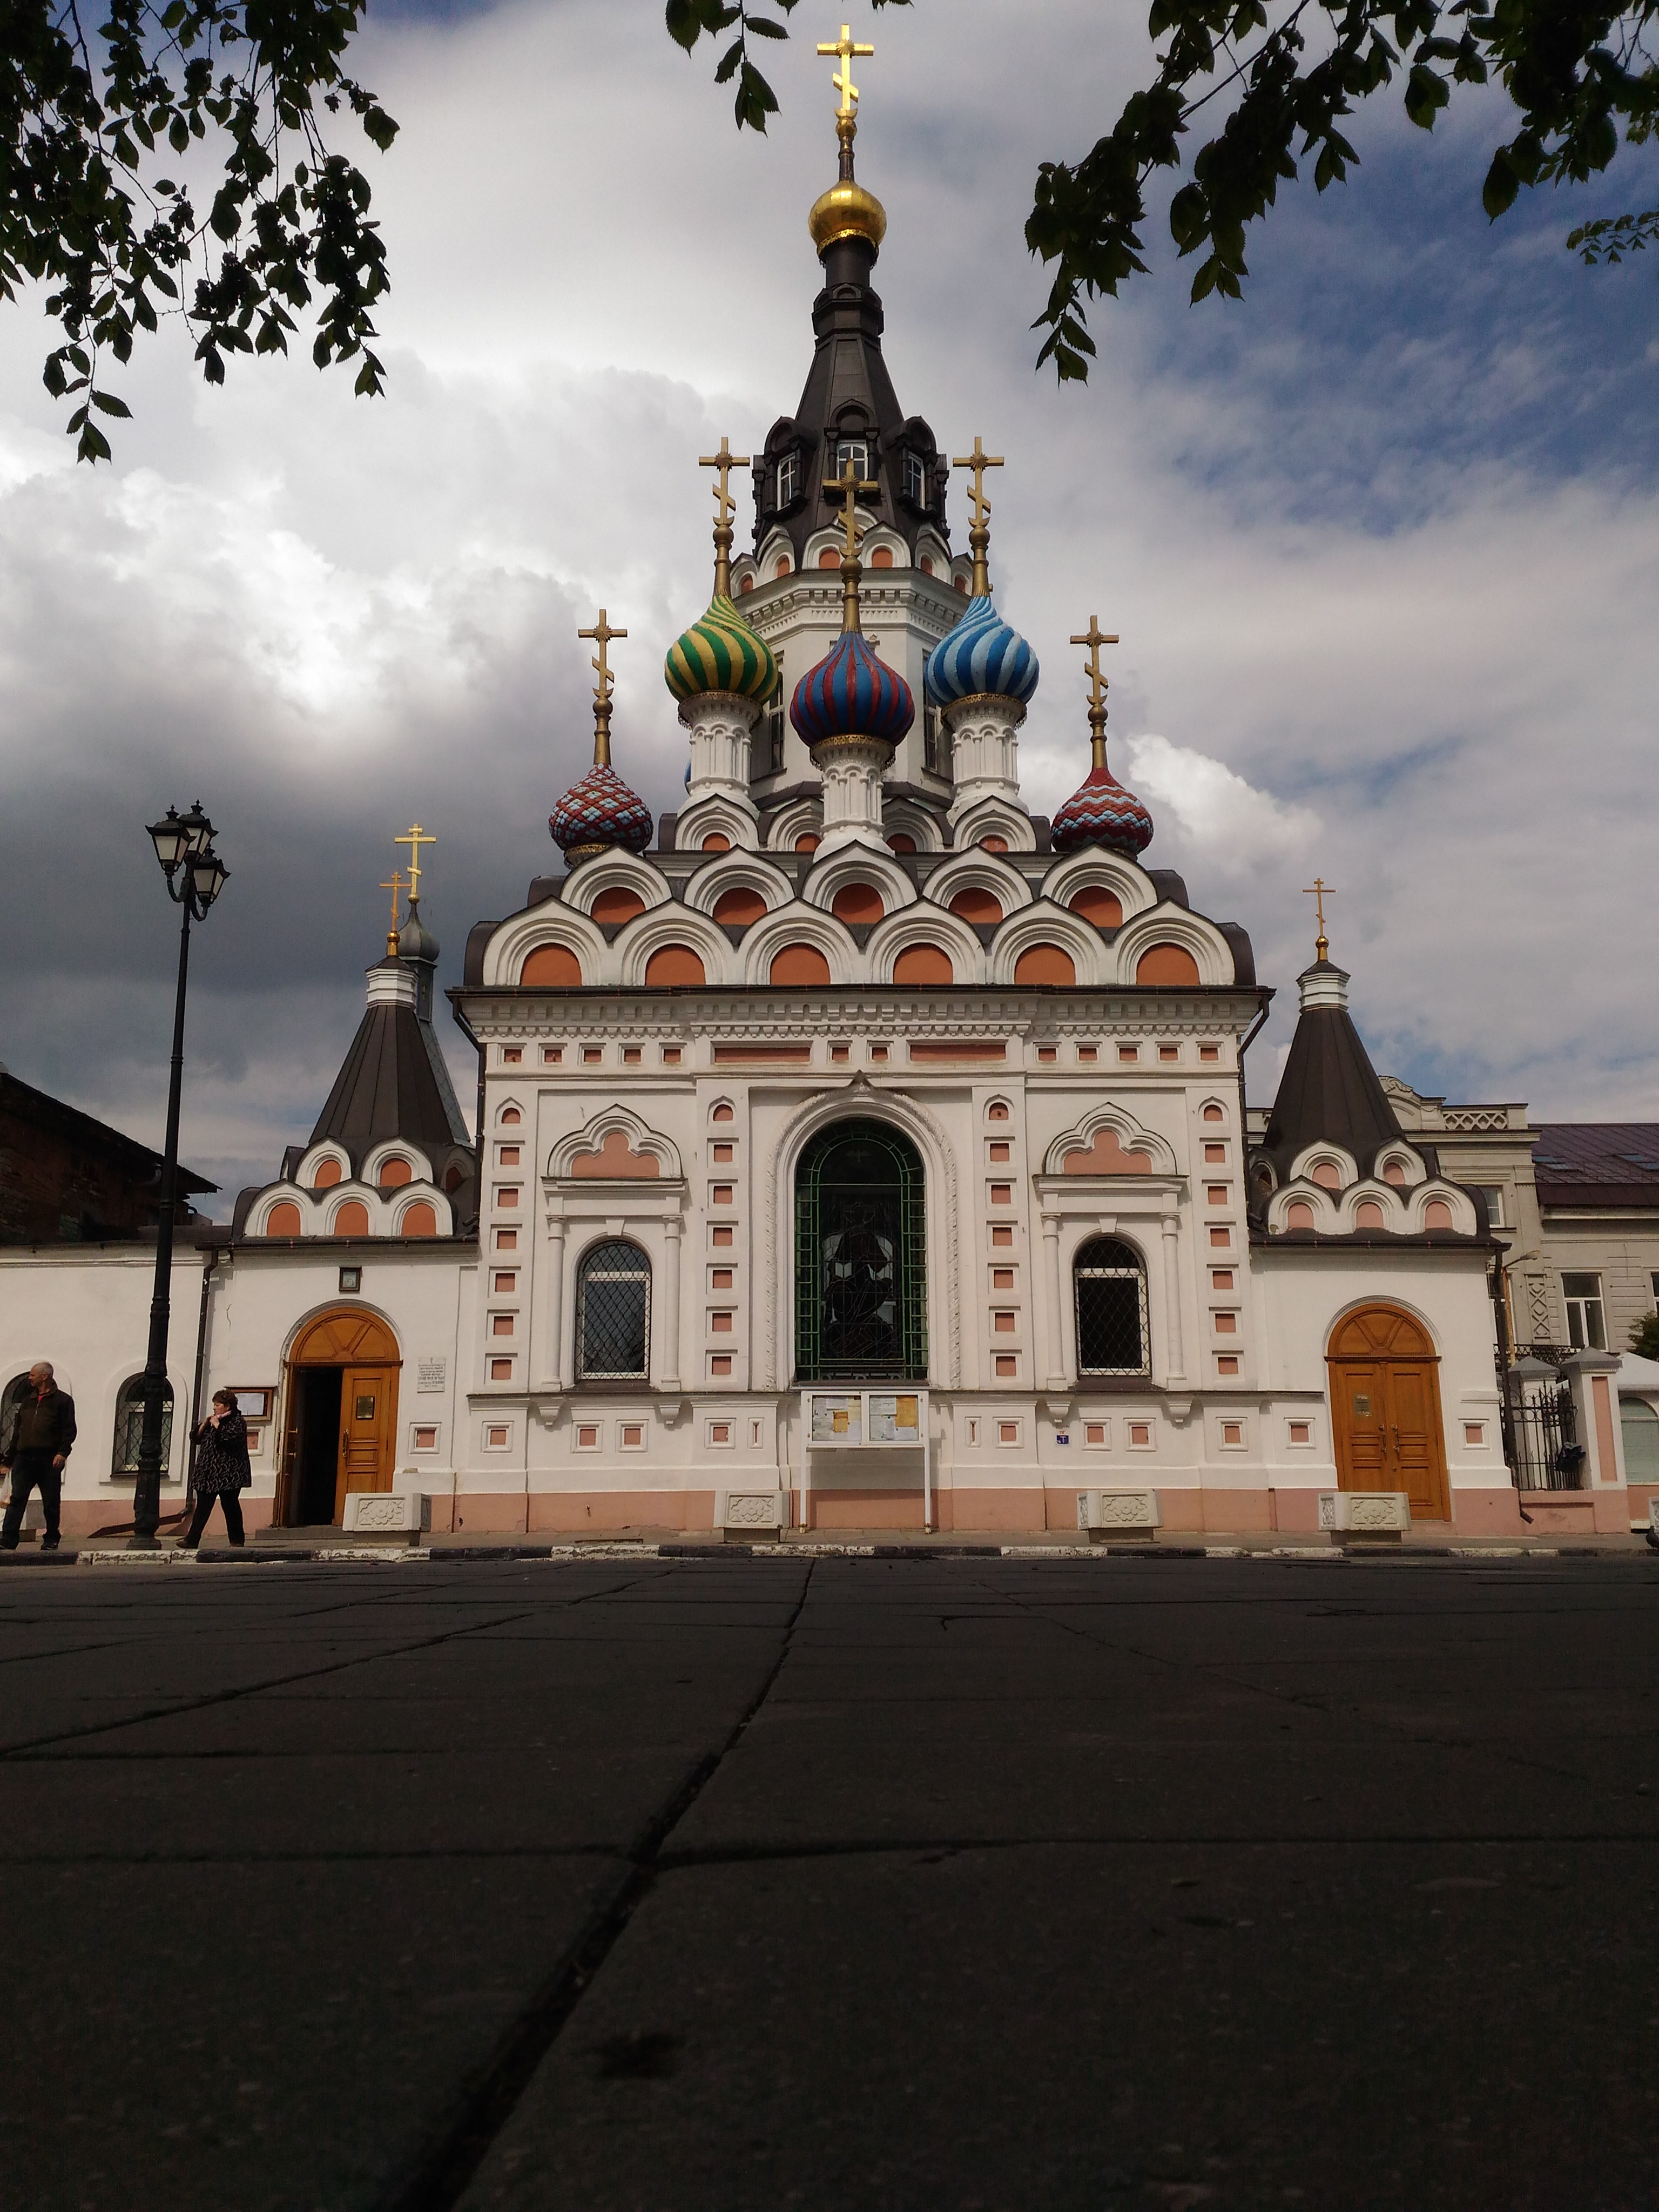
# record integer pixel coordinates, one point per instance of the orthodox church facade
(855, 1150)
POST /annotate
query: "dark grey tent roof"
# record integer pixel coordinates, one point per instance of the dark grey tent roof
(1329, 1090)
(392, 1082)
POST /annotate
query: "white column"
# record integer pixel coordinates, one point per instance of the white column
(671, 1303)
(850, 770)
(1054, 1319)
(554, 1322)
(984, 753)
(717, 796)
(1177, 1370)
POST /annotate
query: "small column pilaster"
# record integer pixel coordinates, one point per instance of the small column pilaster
(671, 1230)
(1177, 1370)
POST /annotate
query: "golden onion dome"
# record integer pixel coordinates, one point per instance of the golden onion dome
(846, 210)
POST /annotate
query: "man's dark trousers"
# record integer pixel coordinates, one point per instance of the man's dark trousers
(31, 1469)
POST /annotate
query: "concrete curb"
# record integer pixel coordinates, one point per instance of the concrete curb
(278, 1555)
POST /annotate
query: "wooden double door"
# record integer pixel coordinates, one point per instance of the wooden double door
(340, 1424)
(1385, 1409)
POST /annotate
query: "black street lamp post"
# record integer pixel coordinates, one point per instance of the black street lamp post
(196, 876)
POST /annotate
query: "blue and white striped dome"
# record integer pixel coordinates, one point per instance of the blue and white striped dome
(982, 653)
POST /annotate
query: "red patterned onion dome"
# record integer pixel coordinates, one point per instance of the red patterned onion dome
(851, 694)
(598, 811)
(1100, 813)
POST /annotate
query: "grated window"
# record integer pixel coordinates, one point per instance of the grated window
(613, 1317)
(1110, 1287)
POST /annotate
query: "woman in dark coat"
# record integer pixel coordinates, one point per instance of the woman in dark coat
(222, 1469)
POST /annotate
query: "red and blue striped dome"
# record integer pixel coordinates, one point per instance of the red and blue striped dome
(851, 694)
(1100, 813)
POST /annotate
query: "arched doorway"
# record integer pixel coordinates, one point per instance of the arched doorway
(860, 1257)
(341, 1416)
(1385, 1408)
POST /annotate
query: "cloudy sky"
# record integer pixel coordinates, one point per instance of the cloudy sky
(1382, 544)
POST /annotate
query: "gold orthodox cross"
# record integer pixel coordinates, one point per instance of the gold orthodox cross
(978, 538)
(725, 507)
(1319, 890)
(1094, 637)
(602, 634)
(394, 887)
(845, 47)
(979, 460)
(850, 486)
(414, 837)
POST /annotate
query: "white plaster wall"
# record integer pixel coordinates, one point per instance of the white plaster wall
(86, 1308)
(1298, 1297)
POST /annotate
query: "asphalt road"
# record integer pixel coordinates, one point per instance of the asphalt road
(948, 1883)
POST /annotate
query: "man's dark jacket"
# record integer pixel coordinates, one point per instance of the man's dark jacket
(40, 1421)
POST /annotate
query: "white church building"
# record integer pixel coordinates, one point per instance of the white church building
(854, 1150)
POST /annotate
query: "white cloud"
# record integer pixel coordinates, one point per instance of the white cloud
(1367, 646)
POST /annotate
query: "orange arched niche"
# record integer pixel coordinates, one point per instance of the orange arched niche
(1384, 1376)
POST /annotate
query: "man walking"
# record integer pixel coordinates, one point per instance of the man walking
(39, 1434)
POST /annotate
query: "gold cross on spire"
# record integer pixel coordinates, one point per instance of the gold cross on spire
(394, 887)
(602, 634)
(845, 47)
(1094, 637)
(414, 837)
(725, 507)
(850, 486)
(1319, 890)
(978, 538)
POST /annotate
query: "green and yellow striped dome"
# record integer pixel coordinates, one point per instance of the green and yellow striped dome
(720, 653)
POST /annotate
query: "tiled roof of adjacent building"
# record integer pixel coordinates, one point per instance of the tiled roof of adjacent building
(1588, 1163)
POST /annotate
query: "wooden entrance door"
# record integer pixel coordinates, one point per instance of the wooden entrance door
(368, 1398)
(362, 1347)
(1385, 1409)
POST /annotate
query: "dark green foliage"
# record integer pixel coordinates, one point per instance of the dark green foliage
(1579, 73)
(85, 115)
(1644, 1336)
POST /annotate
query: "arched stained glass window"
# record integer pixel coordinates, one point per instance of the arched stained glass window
(860, 1263)
(1109, 1281)
(613, 1313)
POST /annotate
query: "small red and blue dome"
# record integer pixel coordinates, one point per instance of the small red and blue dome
(1100, 813)
(600, 811)
(851, 694)
(982, 655)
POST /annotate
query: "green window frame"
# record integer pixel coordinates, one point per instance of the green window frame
(860, 1256)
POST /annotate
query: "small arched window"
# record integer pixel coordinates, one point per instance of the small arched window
(724, 1112)
(997, 1112)
(613, 1313)
(130, 1425)
(511, 1117)
(1109, 1286)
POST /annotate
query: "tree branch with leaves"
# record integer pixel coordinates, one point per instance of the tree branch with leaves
(88, 119)
(1274, 91)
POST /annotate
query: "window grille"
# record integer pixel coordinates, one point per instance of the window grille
(613, 1313)
(130, 1425)
(788, 478)
(1110, 1284)
(856, 449)
(860, 1262)
(916, 481)
(774, 740)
